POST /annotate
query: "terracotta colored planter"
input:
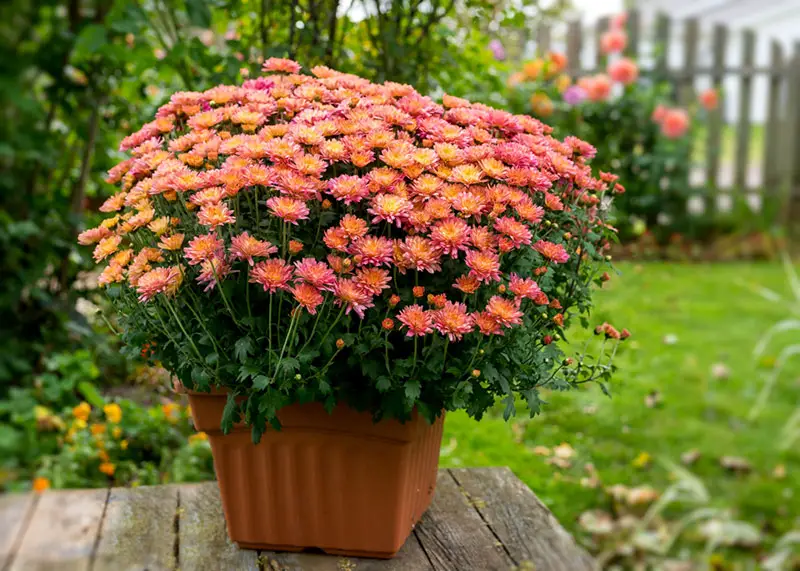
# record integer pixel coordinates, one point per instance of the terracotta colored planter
(336, 482)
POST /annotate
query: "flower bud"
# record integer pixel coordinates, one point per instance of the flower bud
(394, 300)
(388, 324)
(476, 373)
(547, 339)
(326, 204)
(298, 377)
(418, 291)
(295, 247)
(340, 343)
(605, 277)
(501, 288)
(624, 334)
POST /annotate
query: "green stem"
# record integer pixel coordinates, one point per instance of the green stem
(444, 358)
(269, 332)
(180, 324)
(289, 333)
(338, 317)
(314, 328)
(224, 297)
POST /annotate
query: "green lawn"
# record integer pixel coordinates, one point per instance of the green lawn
(709, 316)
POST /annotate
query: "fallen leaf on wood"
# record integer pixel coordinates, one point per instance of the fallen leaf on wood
(735, 464)
(690, 456)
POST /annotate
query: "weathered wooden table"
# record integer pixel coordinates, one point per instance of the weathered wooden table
(481, 519)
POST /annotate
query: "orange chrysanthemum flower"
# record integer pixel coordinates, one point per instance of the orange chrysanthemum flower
(288, 209)
(215, 215)
(483, 265)
(159, 280)
(453, 320)
(416, 320)
(272, 275)
(352, 296)
(468, 284)
(421, 254)
(504, 311)
(245, 247)
(451, 236)
(308, 296)
(373, 280)
(553, 252)
(316, 273)
(171, 242)
(106, 247)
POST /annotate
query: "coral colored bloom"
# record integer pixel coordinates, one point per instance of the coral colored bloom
(159, 280)
(295, 247)
(709, 99)
(416, 320)
(504, 311)
(450, 236)
(453, 320)
(273, 274)
(553, 252)
(93, 235)
(487, 324)
(215, 215)
(675, 123)
(394, 300)
(106, 247)
(514, 230)
(372, 251)
(336, 238)
(316, 273)
(613, 41)
(390, 208)
(40, 484)
(308, 296)
(353, 226)
(203, 247)
(288, 209)
(280, 64)
(171, 242)
(557, 61)
(523, 287)
(212, 271)
(245, 247)
(387, 324)
(420, 254)
(467, 284)
(623, 70)
(598, 87)
(418, 291)
(373, 280)
(348, 188)
(553, 202)
(484, 265)
(352, 296)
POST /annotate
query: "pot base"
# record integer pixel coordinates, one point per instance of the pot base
(335, 482)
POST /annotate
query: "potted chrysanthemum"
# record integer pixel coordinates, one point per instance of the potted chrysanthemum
(328, 265)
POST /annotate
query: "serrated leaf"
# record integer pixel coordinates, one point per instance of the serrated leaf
(261, 382)
(242, 349)
(228, 414)
(383, 383)
(412, 391)
(212, 358)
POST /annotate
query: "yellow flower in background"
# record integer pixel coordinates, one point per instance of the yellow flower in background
(533, 69)
(188, 410)
(198, 437)
(79, 424)
(103, 455)
(123, 444)
(541, 105)
(562, 82)
(107, 468)
(113, 413)
(97, 429)
(82, 411)
(170, 411)
(40, 484)
(116, 432)
(642, 460)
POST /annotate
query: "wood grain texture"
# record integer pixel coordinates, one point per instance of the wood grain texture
(138, 530)
(772, 139)
(411, 557)
(526, 527)
(63, 531)
(202, 538)
(455, 537)
(14, 513)
(745, 105)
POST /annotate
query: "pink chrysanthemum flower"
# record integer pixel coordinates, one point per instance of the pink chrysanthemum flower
(288, 209)
(453, 320)
(316, 273)
(202, 248)
(112, 273)
(372, 251)
(348, 188)
(523, 288)
(390, 208)
(451, 236)
(352, 296)
(212, 271)
(280, 64)
(159, 280)
(420, 254)
(106, 247)
(308, 296)
(373, 280)
(529, 211)
(470, 204)
(514, 230)
(336, 238)
(504, 311)
(416, 320)
(468, 284)
(215, 215)
(483, 265)
(482, 238)
(171, 242)
(93, 235)
(245, 247)
(273, 274)
(353, 226)
(553, 252)
(487, 324)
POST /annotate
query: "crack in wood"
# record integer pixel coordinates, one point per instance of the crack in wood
(23, 529)
(93, 555)
(177, 527)
(422, 547)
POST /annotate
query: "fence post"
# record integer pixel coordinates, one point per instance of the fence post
(574, 37)
(543, 38)
(745, 96)
(632, 49)
(779, 71)
(791, 158)
(599, 57)
(716, 118)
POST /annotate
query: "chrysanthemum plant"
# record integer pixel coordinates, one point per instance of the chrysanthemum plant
(322, 238)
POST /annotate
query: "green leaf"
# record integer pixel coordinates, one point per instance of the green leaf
(229, 414)
(199, 13)
(242, 349)
(90, 394)
(383, 383)
(261, 382)
(412, 391)
(91, 39)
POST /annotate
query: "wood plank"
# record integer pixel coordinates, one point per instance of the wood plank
(543, 38)
(662, 47)
(526, 527)
(15, 511)
(633, 27)
(713, 151)
(203, 541)
(599, 57)
(138, 530)
(745, 103)
(63, 531)
(791, 146)
(411, 557)
(574, 37)
(455, 537)
(691, 35)
(772, 143)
